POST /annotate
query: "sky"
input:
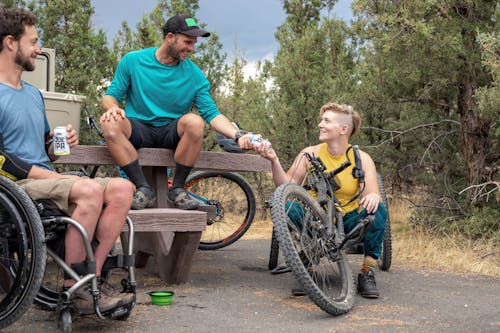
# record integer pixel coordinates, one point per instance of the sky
(247, 24)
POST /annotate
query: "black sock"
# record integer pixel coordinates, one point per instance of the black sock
(180, 175)
(134, 173)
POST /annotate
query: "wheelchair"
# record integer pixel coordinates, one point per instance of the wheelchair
(32, 261)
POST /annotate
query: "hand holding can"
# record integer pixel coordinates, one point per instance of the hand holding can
(256, 140)
(61, 146)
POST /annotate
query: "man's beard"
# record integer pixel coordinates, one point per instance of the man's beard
(24, 62)
(174, 53)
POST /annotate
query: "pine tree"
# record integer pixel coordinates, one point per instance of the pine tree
(422, 65)
(313, 66)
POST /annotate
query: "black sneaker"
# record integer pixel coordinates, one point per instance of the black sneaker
(144, 197)
(182, 200)
(366, 284)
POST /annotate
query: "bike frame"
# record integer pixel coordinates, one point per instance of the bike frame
(323, 184)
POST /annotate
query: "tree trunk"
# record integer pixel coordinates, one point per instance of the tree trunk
(475, 129)
(475, 137)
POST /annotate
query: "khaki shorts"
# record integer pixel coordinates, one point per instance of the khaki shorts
(55, 189)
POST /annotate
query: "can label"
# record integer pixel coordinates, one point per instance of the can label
(61, 146)
(256, 140)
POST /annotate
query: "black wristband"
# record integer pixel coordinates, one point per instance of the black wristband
(237, 136)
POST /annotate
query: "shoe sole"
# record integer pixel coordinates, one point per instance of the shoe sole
(298, 292)
(172, 204)
(369, 295)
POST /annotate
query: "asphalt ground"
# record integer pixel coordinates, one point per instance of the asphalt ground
(231, 290)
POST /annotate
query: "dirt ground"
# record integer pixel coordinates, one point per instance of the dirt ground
(231, 290)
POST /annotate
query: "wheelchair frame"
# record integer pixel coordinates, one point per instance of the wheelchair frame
(23, 259)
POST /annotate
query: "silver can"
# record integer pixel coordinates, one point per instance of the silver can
(61, 146)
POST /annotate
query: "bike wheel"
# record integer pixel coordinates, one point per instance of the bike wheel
(273, 252)
(385, 259)
(323, 272)
(233, 202)
(22, 252)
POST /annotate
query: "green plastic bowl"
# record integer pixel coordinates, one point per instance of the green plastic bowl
(161, 297)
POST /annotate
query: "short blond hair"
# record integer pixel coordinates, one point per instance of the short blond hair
(351, 117)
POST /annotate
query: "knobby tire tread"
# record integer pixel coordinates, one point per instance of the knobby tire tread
(385, 260)
(273, 252)
(280, 218)
(251, 206)
(14, 197)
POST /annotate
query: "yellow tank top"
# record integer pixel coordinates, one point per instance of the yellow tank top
(349, 186)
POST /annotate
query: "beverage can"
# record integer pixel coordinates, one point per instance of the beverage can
(256, 140)
(61, 146)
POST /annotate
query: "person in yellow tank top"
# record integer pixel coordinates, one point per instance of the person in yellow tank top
(338, 124)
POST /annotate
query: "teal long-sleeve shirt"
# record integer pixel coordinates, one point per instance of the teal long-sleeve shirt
(156, 93)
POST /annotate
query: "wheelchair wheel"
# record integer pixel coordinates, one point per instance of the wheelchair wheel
(22, 252)
(47, 297)
(234, 201)
(324, 273)
(385, 259)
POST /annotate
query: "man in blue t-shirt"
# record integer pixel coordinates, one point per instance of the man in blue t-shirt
(159, 86)
(26, 150)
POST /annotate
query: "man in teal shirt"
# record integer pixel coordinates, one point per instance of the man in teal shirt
(160, 85)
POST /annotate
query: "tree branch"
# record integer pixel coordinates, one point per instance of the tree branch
(425, 101)
(481, 190)
(398, 133)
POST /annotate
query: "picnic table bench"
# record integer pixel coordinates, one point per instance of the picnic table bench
(171, 235)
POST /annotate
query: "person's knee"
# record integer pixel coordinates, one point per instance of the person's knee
(88, 195)
(193, 125)
(112, 129)
(380, 218)
(119, 191)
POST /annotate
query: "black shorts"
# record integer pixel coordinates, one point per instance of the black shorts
(148, 136)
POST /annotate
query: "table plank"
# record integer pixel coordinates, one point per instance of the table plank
(208, 160)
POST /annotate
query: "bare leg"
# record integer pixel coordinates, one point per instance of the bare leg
(190, 129)
(116, 134)
(88, 197)
(117, 201)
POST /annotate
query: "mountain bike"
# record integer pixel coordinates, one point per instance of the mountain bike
(227, 195)
(311, 236)
(384, 261)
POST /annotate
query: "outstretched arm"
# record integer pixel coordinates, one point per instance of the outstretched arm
(295, 174)
(222, 125)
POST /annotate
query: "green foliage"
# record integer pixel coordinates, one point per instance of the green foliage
(314, 65)
(420, 79)
(482, 223)
(12, 3)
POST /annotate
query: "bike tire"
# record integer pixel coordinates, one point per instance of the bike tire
(385, 258)
(22, 253)
(235, 204)
(273, 252)
(324, 274)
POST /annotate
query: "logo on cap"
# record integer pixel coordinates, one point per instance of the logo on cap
(191, 22)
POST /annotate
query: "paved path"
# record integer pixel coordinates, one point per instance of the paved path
(232, 291)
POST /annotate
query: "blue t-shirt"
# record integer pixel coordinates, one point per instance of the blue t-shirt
(156, 93)
(23, 124)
